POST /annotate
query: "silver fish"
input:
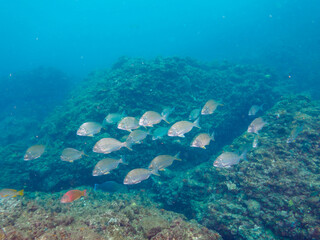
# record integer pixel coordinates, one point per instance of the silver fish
(71, 154)
(256, 125)
(202, 140)
(158, 133)
(108, 145)
(182, 127)
(162, 161)
(136, 136)
(113, 118)
(34, 152)
(151, 118)
(89, 129)
(195, 113)
(255, 141)
(227, 159)
(139, 174)
(105, 166)
(128, 124)
(210, 107)
(294, 133)
(254, 109)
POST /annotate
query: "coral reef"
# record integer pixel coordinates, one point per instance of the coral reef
(98, 216)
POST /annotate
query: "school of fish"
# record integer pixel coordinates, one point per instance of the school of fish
(159, 163)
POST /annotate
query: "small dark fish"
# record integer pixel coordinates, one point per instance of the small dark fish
(254, 109)
(159, 133)
(113, 118)
(110, 186)
(294, 133)
(195, 113)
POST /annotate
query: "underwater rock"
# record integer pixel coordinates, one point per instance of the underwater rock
(136, 86)
(275, 193)
(99, 216)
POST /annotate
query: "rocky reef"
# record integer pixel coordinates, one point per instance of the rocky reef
(136, 86)
(274, 193)
(99, 216)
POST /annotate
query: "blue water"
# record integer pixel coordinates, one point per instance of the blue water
(49, 48)
(77, 36)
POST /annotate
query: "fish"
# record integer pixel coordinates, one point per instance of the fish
(71, 154)
(255, 141)
(106, 165)
(195, 113)
(210, 107)
(34, 152)
(167, 111)
(202, 140)
(254, 109)
(139, 174)
(294, 133)
(113, 118)
(182, 127)
(128, 124)
(227, 159)
(73, 195)
(89, 129)
(108, 145)
(9, 193)
(256, 125)
(159, 133)
(110, 186)
(136, 136)
(151, 118)
(162, 161)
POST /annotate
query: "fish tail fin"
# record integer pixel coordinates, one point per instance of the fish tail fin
(155, 172)
(84, 192)
(123, 113)
(128, 145)
(21, 192)
(196, 123)
(177, 157)
(123, 161)
(83, 153)
(95, 187)
(244, 155)
(165, 117)
(261, 106)
(212, 136)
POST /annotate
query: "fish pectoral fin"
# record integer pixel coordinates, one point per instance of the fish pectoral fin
(162, 169)
(106, 173)
(203, 147)
(181, 135)
(90, 135)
